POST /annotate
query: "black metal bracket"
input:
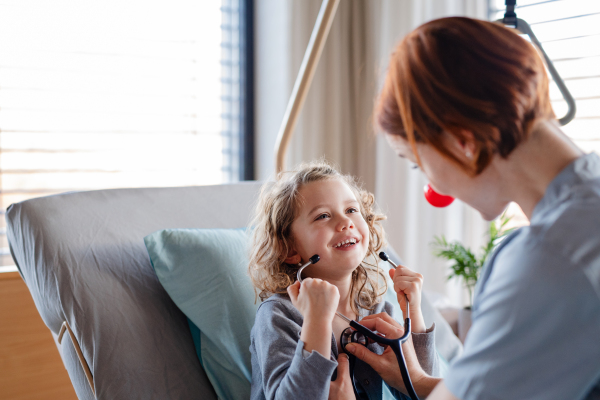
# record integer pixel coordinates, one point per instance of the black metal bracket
(510, 16)
(510, 19)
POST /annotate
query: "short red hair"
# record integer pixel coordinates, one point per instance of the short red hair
(455, 74)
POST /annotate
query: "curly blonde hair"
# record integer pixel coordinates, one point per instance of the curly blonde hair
(272, 237)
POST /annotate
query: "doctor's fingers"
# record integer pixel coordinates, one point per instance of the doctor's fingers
(343, 370)
(341, 388)
(362, 353)
(388, 326)
(343, 366)
(384, 316)
(385, 364)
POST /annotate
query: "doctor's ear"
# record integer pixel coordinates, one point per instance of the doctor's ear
(461, 142)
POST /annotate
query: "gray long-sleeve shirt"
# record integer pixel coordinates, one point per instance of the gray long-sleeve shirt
(280, 370)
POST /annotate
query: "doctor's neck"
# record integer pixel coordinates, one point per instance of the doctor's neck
(534, 163)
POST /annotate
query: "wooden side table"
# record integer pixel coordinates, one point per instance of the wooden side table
(30, 364)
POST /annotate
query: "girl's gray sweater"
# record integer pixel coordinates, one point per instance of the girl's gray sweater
(282, 370)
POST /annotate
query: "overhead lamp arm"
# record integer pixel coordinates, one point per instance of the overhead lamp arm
(304, 79)
(510, 19)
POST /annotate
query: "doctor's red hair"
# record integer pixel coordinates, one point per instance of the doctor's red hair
(456, 74)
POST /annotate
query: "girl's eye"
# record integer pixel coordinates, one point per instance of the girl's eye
(322, 216)
(414, 166)
(352, 210)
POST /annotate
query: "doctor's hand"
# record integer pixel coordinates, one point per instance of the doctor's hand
(341, 388)
(410, 284)
(386, 364)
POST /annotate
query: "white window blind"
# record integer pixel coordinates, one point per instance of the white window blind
(112, 94)
(569, 31)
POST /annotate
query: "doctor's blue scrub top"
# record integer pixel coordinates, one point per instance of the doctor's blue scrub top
(536, 312)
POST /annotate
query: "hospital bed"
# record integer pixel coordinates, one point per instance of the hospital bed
(83, 258)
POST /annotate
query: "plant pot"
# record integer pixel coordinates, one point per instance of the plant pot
(464, 323)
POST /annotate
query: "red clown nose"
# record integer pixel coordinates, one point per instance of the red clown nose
(436, 199)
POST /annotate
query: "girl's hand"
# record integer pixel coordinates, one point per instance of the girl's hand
(341, 388)
(409, 283)
(315, 299)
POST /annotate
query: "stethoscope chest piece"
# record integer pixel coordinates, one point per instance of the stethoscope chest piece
(349, 335)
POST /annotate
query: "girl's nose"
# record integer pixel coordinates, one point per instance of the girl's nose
(345, 223)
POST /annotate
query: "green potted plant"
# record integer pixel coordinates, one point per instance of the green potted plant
(467, 265)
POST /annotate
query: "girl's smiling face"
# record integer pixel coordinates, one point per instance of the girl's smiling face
(329, 223)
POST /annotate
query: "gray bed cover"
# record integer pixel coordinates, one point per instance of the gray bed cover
(82, 255)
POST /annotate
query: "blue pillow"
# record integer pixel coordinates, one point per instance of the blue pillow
(204, 272)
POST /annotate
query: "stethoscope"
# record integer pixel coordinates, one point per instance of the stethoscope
(358, 333)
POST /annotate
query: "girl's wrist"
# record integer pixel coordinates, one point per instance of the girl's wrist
(316, 335)
(415, 312)
(319, 317)
(317, 323)
(417, 322)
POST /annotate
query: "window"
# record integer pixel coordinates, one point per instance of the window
(126, 93)
(237, 74)
(569, 31)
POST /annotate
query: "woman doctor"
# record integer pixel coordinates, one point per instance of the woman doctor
(468, 102)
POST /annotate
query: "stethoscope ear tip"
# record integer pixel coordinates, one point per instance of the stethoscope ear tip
(383, 256)
(313, 260)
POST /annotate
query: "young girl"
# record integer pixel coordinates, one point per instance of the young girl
(295, 339)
